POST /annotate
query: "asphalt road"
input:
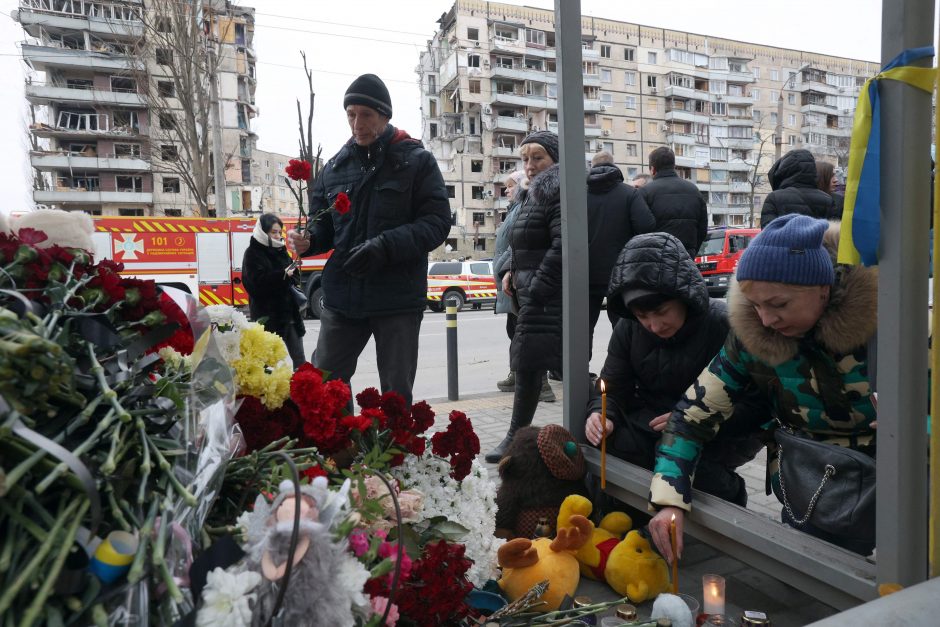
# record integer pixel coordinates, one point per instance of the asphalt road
(483, 353)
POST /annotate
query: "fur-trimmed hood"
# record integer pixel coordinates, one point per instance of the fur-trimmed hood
(848, 322)
(546, 186)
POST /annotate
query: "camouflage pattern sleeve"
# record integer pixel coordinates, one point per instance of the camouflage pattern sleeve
(695, 420)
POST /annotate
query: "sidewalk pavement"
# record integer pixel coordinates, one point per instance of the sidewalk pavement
(746, 587)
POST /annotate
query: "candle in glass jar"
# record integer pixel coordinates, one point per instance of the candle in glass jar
(713, 594)
(603, 435)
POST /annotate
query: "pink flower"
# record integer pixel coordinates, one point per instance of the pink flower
(378, 606)
(359, 543)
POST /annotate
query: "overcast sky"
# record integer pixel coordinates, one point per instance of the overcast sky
(346, 38)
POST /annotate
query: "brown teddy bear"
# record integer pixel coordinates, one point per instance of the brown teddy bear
(541, 467)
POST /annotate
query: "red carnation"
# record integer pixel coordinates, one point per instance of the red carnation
(313, 472)
(32, 236)
(356, 423)
(298, 170)
(423, 416)
(369, 398)
(342, 204)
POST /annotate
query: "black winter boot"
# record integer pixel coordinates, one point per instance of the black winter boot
(528, 388)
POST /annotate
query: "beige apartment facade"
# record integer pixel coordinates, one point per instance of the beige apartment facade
(488, 77)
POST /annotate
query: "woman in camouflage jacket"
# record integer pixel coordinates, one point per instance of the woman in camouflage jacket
(800, 329)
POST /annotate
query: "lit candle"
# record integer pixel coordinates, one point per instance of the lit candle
(603, 435)
(713, 594)
(675, 555)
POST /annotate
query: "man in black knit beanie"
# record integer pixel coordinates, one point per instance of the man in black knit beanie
(375, 282)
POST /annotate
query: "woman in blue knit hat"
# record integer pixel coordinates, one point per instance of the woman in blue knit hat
(800, 330)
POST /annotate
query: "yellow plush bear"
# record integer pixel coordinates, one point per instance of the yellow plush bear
(629, 566)
(526, 563)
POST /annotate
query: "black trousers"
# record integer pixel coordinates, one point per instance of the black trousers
(292, 339)
(526, 399)
(342, 340)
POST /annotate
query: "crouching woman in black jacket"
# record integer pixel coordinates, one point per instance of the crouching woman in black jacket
(670, 330)
(267, 274)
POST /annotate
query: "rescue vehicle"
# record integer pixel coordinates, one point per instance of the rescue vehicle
(470, 282)
(199, 255)
(718, 257)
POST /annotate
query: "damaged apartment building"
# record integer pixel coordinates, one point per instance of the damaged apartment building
(104, 104)
(489, 76)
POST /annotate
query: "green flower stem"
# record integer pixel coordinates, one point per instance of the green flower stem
(144, 537)
(52, 575)
(17, 516)
(29, 499)
(129, 513)
(116, 510)
(109, 394)
(82, 448)
(25, 575)
(145, 465)
(84, 416)
(164, 465)
(109, 465)
(159, 559)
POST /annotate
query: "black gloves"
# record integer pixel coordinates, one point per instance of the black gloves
(366, 257)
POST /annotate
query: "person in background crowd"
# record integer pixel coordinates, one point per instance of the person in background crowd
(793, 180)
(826, 181)
(534, 281)
(268, 274)
(676, 203)
(375, 283)
(640, 180)
(514, 185)
(669, 331)
(616, 212)
(800, 335)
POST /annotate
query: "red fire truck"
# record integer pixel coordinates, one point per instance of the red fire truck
(718, 257)
(200, 255)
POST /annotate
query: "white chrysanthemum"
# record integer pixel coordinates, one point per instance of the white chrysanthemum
(227, 599)
(470, 503)
(352, 576)
(227, 318)
(229, 344)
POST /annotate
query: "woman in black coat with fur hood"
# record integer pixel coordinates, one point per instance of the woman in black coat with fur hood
(534, 281)
(268, 276)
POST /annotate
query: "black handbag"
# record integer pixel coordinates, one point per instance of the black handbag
(297, 294)
(828, 486)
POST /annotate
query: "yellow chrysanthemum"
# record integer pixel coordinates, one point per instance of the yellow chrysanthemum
(258, 372)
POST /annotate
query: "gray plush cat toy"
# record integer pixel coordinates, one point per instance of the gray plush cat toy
(314, 596)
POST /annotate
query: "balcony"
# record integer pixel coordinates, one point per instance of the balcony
(592, 131)
(47, 94)
(829, 131)
(741, 143)
(505, 44)
(51, 162)
(674, 91)
(507, 123)
(594, 106)
(737, 165)
(591, 80)
(732, 100)
(740, 77)
(740, 187)
(524, 100)
(519, 74)
(685, 162)
(42, 58)
(111, 20)
(553, 127)
(744, 120)
(502, 151)
(817, 86)
(588, 54)
(680, 138)
(90, 197)
(818, 107)
(542, 53)
(681, 115)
